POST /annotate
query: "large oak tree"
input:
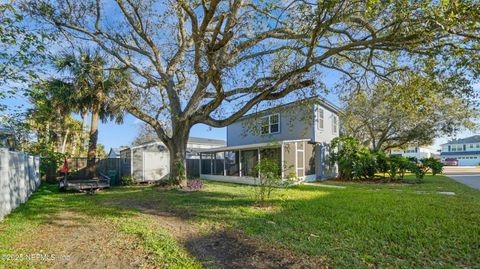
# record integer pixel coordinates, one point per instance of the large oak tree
(210, 62)
(413, 110)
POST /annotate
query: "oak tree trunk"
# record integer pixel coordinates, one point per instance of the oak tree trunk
(177, 147)
(92, 145)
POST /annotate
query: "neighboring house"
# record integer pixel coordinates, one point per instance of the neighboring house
(413, 152)
(466, 150)
(7, 139)
(114, 153)
(151, 161)
(297, 134)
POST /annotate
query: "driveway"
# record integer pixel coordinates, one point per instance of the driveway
(468, 175)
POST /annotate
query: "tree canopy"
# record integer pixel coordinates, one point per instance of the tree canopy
(414, 110)
(213, 61)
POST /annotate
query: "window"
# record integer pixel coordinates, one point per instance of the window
(334, 124)
(320, 116)
(478, 146)
(471, 146)
(456, 148)
(270, 124)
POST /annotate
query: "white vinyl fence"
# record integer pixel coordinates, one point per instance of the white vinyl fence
(19, 178)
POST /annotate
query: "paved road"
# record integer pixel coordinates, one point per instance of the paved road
(468, 175)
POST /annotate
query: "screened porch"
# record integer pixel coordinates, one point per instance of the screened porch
(237, 164)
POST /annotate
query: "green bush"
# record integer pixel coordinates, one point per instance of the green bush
(50, 161)
(419, 170)
(435, 166)
(356, 162)
(127, 181)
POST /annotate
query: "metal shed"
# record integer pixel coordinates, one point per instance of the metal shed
(151, 161)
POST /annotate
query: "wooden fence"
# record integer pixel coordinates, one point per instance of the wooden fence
(115, 168)
(111, 167)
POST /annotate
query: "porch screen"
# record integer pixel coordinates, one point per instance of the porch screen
(218, 163)
(232, 163)
(207, 164)
(249, 161)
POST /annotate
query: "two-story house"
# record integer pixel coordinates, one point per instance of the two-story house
(297, 135)
(466, 151)
(413, 152)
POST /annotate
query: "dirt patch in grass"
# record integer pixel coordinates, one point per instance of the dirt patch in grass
(233, 249)
(71, 240)
(221, 248)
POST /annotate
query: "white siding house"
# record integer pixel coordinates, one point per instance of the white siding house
(413, 152)
(151, 161)
(466, 151)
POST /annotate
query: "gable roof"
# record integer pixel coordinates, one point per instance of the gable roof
(467, 140)
(192, 140)
(209, 141)
(314, 99)
(115, 151)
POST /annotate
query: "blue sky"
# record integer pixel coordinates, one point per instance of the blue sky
(116, 135)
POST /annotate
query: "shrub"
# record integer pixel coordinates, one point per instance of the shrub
(418, 169)
(269, 171)
(435, 166)
(49, 163)
(127, 181)
(345, 152)
(365, 165)
(403, 165)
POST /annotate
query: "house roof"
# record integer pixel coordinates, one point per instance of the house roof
(201, 140)
(191, 140)
(115, 151)
(467, 140)
(316, 99)
(272, 144)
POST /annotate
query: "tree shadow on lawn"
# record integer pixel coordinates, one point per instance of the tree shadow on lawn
(346, 228)
(343, 228)
(47, 201)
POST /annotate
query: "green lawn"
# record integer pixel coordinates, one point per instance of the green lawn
(364, 225)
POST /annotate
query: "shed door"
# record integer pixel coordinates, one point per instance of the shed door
(155, 165)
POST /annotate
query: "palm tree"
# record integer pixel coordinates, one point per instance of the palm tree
(94, 83)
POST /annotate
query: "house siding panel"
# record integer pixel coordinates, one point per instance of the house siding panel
(295, 123)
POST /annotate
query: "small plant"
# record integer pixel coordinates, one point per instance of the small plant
(127, 181)
(194, 184)
(436, 167)
(269, 177)
(419, 170)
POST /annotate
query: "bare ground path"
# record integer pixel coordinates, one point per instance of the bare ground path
(77, 241)
(220, 247)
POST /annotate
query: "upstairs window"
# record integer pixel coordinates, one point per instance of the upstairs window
(457, 148)
(270, 124)
(320, 118)
(334, 124)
